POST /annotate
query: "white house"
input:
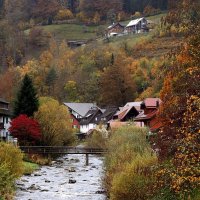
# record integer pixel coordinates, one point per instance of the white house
(4, 120)
(90, 120)
(137, 26)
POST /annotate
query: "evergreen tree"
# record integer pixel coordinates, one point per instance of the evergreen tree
(27, 101)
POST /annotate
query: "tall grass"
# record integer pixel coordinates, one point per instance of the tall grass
(129, 165)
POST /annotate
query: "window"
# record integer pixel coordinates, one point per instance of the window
(74, 126)
(6, 120)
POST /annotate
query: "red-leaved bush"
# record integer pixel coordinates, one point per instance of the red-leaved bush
(25, 129)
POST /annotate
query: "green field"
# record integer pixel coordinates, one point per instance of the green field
(72, 31)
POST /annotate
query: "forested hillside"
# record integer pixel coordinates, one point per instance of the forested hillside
(129, 66)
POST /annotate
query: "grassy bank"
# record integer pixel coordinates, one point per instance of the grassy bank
(29, 168)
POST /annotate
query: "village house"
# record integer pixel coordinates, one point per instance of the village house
(126, 115)
(137, 26)
(78, 111)
(115, 29)
(4, 120)
(148, 116)
(90, 120)
(108, 114)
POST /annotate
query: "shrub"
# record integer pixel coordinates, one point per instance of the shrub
(27, 130)
(54, 120)
(96, 140)
(38, 37)
(11, 167)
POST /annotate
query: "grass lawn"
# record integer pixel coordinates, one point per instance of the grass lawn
(30, 167)
(72, 31)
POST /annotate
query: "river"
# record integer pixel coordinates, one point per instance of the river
(66, 179)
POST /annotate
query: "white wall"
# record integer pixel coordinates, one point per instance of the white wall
(86, 128)
(5, 132)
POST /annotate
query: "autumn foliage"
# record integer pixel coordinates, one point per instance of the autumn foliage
(27, 130)
(180, 113)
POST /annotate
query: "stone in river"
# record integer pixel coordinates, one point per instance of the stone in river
(71, 169)
(100, 192)
(33, 187)
(44, 190)
(72, 181)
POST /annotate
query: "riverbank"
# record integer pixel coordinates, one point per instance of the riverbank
(67, 178)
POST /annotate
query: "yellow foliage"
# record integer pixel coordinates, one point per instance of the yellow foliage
(96, 18)
(12, 157)
(64, 14)
(55, 123)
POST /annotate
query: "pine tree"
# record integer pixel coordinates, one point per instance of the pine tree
(27, 101)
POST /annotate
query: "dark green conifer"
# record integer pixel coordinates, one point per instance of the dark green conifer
(27, 100)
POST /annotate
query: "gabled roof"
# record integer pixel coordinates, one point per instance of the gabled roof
(135, 104)
(92, 116)
(108, 113)
(115, 24)
(135, 21)
(123, 112)
(143, 117)
(80, 108)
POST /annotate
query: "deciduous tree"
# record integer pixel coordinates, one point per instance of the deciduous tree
(26, 130)
(116, 84)
(55, 123)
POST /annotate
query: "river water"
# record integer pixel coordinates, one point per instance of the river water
(66, 179)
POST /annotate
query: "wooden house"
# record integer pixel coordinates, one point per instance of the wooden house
(137, 26)
(150, 108)
(115, 29)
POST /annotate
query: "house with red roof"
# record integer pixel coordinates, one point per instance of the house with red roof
(150, 108)
(126, 115)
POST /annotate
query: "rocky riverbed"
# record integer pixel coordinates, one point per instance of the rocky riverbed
(66, 179)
